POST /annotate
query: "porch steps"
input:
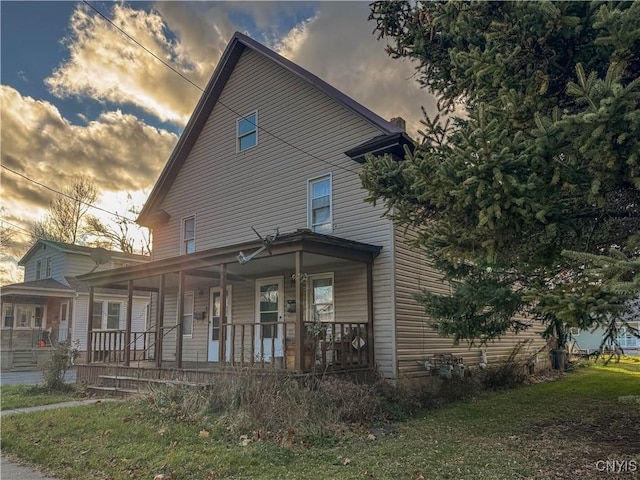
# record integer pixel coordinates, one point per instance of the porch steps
(118, 385)
(23, 360)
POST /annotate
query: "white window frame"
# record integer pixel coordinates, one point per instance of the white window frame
(187, 318)
(49, 267)
(31, 322)
(310, 294)
(8, 312)
(310, 183)
(104, 314)
(247, 134)
(183, 235)
(38, 269)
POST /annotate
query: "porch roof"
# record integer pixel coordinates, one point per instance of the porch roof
(196, 263)
(47, 287)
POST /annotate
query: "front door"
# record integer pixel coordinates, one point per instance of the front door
(215, 326)
(269, 314)
(63, 330)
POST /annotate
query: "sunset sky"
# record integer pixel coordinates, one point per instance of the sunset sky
(80, 98)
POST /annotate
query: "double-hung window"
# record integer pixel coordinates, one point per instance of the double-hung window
(106, 315)
(247, 132)
(320, 205)
(321, 300)
(38, 269)
(189, 234)
(49, 267)
(187, 315)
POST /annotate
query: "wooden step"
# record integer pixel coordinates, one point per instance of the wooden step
(112, 391)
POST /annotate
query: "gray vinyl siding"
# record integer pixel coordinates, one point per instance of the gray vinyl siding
(266, 186)
(58, 264)
(81, 315)
(416, 339)
(79, 264)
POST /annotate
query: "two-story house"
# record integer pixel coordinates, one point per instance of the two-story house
(330, 283)
(52, 305)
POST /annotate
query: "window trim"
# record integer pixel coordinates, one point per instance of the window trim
(49, 267)
(310, 183)
(38, 269)
(189, 294)
(255, 130)
(310, 303)
(183, 239)
(32, 324)
(104, 315)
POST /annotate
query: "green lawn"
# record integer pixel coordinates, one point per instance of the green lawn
(549, 430)
(20, 396)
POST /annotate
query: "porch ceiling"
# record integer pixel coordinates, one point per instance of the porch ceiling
(203, 267)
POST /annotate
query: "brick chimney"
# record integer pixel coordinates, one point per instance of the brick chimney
(399, 122)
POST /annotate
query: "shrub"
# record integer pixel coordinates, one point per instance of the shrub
(62, 356)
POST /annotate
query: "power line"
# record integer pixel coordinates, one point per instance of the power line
(17, 226)
(262, 129)
(67, 195)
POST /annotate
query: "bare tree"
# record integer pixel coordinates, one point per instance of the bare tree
(65, 220)
(122, 235)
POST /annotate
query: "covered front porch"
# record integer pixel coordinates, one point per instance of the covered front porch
(304, 304)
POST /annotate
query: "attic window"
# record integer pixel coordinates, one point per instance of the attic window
(247, 131)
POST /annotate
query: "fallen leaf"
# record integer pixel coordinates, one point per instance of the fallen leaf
(161, 431)
(160, 476)
(97, 403)
(371, 436)
(204, 433)
(212, 475)
(346, 461)
(107, 432)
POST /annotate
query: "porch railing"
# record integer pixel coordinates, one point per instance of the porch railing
(325, 345)
(26, 338)
(109, 345)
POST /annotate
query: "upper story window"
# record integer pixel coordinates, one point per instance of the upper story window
(49, 267)
(189, 234)
(247, 132)
(320, 205)
(38, 269)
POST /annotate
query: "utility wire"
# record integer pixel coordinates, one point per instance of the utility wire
(280, 139)
(67, 195)
(17, 226)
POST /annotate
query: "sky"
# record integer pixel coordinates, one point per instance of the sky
(79, 98)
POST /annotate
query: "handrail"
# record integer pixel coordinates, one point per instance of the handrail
(156, 341)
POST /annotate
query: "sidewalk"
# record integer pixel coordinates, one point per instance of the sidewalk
(10, 470)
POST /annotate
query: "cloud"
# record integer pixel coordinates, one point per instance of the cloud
(118, 151)
(106, 65)
(338, 45)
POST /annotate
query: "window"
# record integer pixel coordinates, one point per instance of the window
(106, 315)
(189, 235)
(49, 267)
(321, 297)
(8, 316)
(187, 315)
(319, 207)
(247, 132)
(27, 316)
(38, 269)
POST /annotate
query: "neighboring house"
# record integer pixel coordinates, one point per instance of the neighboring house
(590, 341)
(271, 146)
(52, 305)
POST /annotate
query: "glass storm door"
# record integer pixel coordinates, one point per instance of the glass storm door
(269, 310)
(63, 331)
(215, 327)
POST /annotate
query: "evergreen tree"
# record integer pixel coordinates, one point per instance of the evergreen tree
(543, 160)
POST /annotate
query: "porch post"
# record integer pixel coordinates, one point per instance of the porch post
(299, 330)
(181, 277)
(222, 351)
(159, 322)
(370, 339)
(90, 324)
(127, 329)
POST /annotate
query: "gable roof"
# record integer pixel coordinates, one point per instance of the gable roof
(81, 250)
(150, 212)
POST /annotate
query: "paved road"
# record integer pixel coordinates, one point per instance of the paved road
(30, 377)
